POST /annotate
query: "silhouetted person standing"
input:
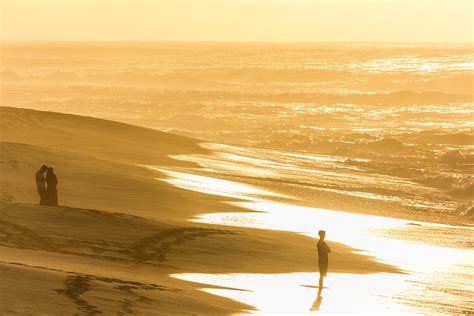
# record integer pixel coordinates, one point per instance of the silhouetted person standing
(51, 191)
(41, 184)
(323, 260)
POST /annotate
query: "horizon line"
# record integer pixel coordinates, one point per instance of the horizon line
(228, 42)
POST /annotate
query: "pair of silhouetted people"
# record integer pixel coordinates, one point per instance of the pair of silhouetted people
(46, 183)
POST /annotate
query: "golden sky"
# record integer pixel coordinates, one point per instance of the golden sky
(239, 20)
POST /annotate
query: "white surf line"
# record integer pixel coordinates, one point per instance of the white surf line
(214, 186)
(236, 163)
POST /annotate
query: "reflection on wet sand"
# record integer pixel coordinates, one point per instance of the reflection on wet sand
(298, 293)
(317, 302)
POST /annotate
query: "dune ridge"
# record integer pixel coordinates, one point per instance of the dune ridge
(93, 137)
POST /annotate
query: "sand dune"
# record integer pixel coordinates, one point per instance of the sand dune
(93, 137)
(124, 231)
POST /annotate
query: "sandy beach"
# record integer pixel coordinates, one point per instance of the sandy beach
(124, 229)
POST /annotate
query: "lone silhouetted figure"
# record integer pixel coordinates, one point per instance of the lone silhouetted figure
(323, 261)
(51, 190)
(41, 183)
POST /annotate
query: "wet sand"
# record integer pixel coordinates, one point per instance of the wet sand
(126, 228)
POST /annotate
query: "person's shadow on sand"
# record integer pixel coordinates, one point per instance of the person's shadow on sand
(317, 302)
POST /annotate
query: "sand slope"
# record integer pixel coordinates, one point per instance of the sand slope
(93, 137)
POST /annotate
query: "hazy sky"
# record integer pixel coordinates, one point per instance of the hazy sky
(238, 20)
